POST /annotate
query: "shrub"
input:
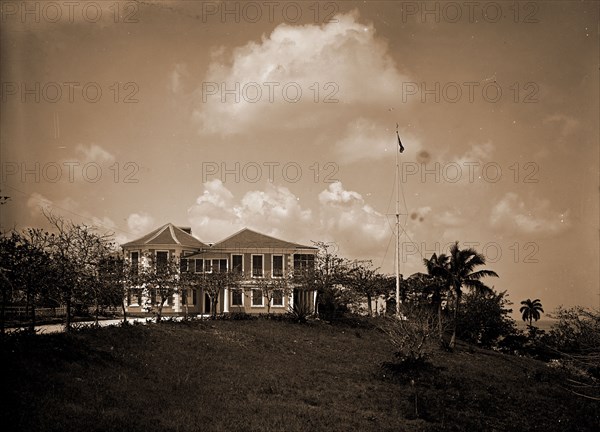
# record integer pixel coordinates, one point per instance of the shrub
(410, 334)
(299, 312)
(484, 319)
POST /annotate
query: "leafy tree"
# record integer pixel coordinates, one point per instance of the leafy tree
(212, 283)
(76, 251)
(458, 271)
(116, 279)
(324, 277)
(531, 310)
(160, 280)
(365, 281)
(437, 285)
(484, 318)
(272, 287)
(33, 272)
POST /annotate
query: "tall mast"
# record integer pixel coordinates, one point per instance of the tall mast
(397, 260)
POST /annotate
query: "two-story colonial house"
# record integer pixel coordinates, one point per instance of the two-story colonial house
(254, 256)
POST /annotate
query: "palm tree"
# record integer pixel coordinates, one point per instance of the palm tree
(531, 310)
(458, 271)
(437, 283)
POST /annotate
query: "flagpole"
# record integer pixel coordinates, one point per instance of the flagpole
(397, 260)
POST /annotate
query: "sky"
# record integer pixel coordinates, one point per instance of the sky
(282, 117)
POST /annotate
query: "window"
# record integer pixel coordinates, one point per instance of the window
(199, 265)
(277, 267)
(184, 297)
(237, 263)
(237, 297)
(184, 265)
(257, 297)
(219, 265)
(278, 298)
(304, 262)
(135, 262)
(257, 266)
(162, 258)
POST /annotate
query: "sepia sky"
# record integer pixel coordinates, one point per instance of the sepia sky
(281, 116)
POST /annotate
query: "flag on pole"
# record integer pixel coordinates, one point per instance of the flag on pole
(400, 146)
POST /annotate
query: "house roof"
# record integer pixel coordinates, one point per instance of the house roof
(248, 239)
(168, 234)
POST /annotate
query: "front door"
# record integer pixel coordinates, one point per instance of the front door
(206, 303)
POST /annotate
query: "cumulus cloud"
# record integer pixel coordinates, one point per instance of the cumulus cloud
(346, 215)
(275, 211)
(94, 153)
(477, 152)
(348, 63)
(139, 223)
(341, 214)
(513, 215)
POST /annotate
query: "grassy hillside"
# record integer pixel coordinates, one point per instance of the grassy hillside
(271, 376)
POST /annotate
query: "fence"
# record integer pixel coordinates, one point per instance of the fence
(22, 312)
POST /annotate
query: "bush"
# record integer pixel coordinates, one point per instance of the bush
(484, 319)
(411, 333)
(299, 312)
(576, 336)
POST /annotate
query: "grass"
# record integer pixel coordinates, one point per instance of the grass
(271, 376)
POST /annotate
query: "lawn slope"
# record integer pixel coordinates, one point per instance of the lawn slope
(271, 376)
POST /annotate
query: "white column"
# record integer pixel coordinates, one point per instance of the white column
(176, 303)
(226, 300)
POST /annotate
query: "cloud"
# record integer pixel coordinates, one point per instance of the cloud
(275, 211)
(37, 202)
(345, 215)
(71, 210)
(478, 152)
(513, 215)
(341, 214)
(140, 223)
(94, 153)
(310, 68)
(176, 77)
(450, 218)
(366, 139)
(567, 124)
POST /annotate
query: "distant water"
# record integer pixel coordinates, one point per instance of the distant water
(542, 324)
